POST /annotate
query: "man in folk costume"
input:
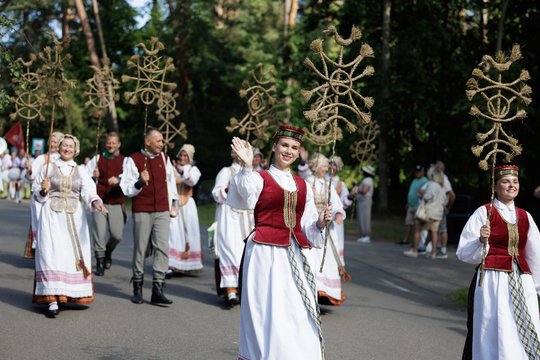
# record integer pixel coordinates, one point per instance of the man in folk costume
(185, 237)
(279, 315)
(107, 169)
(232, 227)
(505, 322)
(35, 207)
(148, 178)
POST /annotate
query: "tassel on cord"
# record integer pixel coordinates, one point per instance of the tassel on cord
(185, 255)
(343, 274)
(86, 273)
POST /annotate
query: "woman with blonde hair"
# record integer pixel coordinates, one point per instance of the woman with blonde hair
(329, 289)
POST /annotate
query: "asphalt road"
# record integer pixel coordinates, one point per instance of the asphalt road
(396, 308)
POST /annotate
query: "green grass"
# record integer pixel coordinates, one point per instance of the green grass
(206, 213)
(459, 297)
(383, 228)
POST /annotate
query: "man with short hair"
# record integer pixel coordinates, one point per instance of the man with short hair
(148, 178)
(106, 169)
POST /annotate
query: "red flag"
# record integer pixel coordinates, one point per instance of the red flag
(15, 136)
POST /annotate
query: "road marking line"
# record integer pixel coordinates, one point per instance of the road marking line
(391, 284)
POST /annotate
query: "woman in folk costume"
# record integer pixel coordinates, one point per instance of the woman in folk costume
(185, 238)
(63, 256)
(329, 280)
(341, 188)
(35, 206)
(505, 321)
(279, 316)
(233, 225)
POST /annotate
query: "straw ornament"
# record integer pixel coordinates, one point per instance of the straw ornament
(337, 99)
(338, 103)
(152, 88)
(364, 150)
(101, 90)
(499, 101)
(45, 86)
(29, 96)
(101, 93)
(260, 120)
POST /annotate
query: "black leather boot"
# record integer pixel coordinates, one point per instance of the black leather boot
(100, 269)
(137, 292)
(108, 252)
(157, 294)
(107, 261)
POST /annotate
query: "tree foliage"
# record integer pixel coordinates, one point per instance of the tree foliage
(434, 46)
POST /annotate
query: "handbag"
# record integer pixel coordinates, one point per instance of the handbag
(421, 213)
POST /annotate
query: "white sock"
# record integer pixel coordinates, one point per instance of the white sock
(443, 249)
(53, 306)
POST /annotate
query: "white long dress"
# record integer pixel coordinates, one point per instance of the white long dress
(495, 333)
(274, 322)
(56, 270)
(329, 280)
(35, 207)
(232, 227)
(186, 227)
(340, 228)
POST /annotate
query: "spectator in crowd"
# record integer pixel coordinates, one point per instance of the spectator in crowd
(433, 198)
(364, 203)
(450, 197)
(413, 201)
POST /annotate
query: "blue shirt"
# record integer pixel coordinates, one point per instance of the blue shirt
(416, 184)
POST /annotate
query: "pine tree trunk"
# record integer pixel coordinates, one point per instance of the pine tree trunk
(500, 33)
(112, 118)
(383, 118)
(87, 31)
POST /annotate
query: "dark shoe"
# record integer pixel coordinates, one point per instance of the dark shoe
(137, 292)
(100, 269)
(232, 297)
(404, 242)
(111, 245)
(53, 310)
(233, 302)
(108, 261)
(157, 294)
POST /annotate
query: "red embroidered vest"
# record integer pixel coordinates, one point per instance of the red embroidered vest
(507, 242)
(153, 197)
(107, 168)
(278, 213)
